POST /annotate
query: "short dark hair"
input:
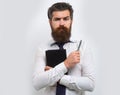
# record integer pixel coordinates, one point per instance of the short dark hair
(60, 6)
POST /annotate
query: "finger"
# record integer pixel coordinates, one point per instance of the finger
(77, 55)
(47, 68)
(77, 58)
(77, 51)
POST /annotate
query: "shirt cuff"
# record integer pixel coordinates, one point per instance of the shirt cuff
(61, 68)
(65, 80)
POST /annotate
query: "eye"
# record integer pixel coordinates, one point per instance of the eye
(66, 18)
(56, 19)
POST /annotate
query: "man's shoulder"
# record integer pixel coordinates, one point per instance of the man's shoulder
(45, 45)
(84, 43)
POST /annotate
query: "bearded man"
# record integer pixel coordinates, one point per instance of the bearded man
(76, 73)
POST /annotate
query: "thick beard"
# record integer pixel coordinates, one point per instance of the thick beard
(61, 34)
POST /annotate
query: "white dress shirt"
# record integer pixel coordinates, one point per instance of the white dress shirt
(79, 79)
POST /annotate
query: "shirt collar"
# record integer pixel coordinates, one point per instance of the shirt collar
(54, 43)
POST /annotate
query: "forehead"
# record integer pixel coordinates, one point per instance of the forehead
(61, 14)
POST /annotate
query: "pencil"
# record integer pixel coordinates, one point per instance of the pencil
(79, 45)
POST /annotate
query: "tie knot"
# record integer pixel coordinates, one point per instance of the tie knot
(60, 45)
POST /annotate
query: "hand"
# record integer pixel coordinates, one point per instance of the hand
(47, 68)
(72, 60)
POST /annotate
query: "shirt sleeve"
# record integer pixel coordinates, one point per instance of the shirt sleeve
(42, 78)
(86, 82)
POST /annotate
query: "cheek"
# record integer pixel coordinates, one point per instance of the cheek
(55, 25)
(68, 24)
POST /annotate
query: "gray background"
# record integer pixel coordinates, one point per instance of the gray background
(24, 25)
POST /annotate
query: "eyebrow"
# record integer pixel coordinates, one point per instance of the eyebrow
(58, 18)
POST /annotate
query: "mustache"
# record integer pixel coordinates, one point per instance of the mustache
(62, 28)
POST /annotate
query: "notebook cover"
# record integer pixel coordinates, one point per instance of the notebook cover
(54, 57)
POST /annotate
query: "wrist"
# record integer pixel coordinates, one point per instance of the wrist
(66, 64)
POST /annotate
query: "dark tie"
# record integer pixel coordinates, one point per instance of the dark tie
(60, 45)
(60, 89)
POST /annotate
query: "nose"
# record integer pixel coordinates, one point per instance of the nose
(62, 22)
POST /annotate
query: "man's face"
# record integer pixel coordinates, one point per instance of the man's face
(61, 25)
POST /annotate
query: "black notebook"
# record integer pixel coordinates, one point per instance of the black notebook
(54, 57)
